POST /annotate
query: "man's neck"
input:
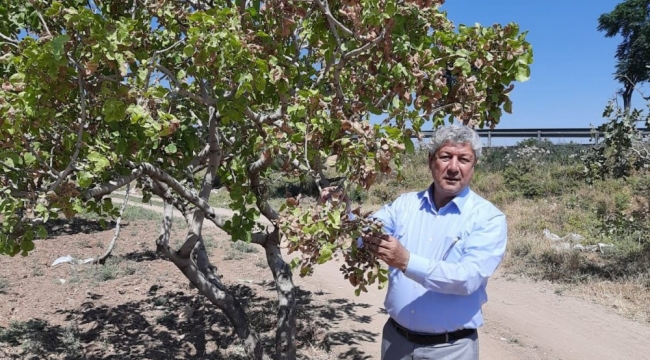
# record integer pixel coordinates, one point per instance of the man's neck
(439, 199)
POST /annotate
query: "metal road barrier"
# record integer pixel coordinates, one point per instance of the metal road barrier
(538, 133)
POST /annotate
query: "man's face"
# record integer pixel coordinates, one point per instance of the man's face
(452, 168)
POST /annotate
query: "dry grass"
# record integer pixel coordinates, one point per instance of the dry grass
(630, 299)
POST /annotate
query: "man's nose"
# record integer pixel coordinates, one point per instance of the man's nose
(453, 165)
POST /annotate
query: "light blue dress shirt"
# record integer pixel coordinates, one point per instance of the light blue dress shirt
(453, 251)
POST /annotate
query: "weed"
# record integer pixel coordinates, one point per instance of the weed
(108, 271)
(34, 336)
(261, 263)
(130, 268)
(160, 301)
(167, 319)
(37, 270)
(70, 342)
(244, 247)
(4, 285)
(209, 242)
(233, 255)
(238, 248)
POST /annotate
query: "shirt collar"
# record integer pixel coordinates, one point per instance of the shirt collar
(459, 200)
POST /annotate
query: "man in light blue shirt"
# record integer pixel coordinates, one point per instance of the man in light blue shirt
(441, 244)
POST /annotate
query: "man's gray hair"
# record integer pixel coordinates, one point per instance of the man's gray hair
(455, 134)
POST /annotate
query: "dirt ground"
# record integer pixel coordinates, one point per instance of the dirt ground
(139, 306)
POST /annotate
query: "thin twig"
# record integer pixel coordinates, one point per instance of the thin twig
(51, 171)
(179, 88)
(43, 22)
(9, 166)
(111, 246)
(9, 40)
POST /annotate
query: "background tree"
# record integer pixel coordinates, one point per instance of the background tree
(631, 20)
(170, 95)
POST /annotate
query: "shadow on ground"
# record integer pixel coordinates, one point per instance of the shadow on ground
(77, 225)
(157, 329)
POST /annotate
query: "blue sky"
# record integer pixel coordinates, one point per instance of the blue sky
(571, 77)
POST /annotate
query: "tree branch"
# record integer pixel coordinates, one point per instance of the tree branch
(38, 13)
(258, 188)
(82, 122)
(158, 174)
(9, 40)
(286, 331)
(198, 159)
(111, 246)
(349, 55)
(9, 166)
(333, 23)
(194, 234)
(180, 90)
(269, 119)
(367, 46)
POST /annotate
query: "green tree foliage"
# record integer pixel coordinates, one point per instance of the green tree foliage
(97, 94)
(623, 150)
(631, 20)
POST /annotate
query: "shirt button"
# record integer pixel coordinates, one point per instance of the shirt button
(412, 311)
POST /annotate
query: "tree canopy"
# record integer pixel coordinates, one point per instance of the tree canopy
(173, 94)
(630, 20)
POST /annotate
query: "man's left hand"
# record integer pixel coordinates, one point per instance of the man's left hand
(388, 249)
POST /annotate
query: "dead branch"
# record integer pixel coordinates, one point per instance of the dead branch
(111, 246)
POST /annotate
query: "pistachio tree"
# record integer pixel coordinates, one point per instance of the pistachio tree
(171, 95)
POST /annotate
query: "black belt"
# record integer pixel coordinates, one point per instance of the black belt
(432, 339)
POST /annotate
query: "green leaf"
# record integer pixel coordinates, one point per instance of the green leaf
(58, 46)
(507, 105)
(171, 148)
(41, 231)
(294, 263)
(523, 73)
(325, 253)
(99, 160)
(408, 143)
(85, 179)
(26, 246)
(29, 158)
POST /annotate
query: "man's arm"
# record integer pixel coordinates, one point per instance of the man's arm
(484, 250)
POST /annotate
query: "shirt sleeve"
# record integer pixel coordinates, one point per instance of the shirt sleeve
(387, 217)
(484, 250)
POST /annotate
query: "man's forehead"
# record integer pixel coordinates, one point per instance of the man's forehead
(456, 147)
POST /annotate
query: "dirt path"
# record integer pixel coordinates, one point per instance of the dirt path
(524, 320)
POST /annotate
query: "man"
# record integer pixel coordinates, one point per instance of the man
(441, 244)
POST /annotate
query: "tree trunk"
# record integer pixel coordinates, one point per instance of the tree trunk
(208, 285)
(285, 338)
(627, 96)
